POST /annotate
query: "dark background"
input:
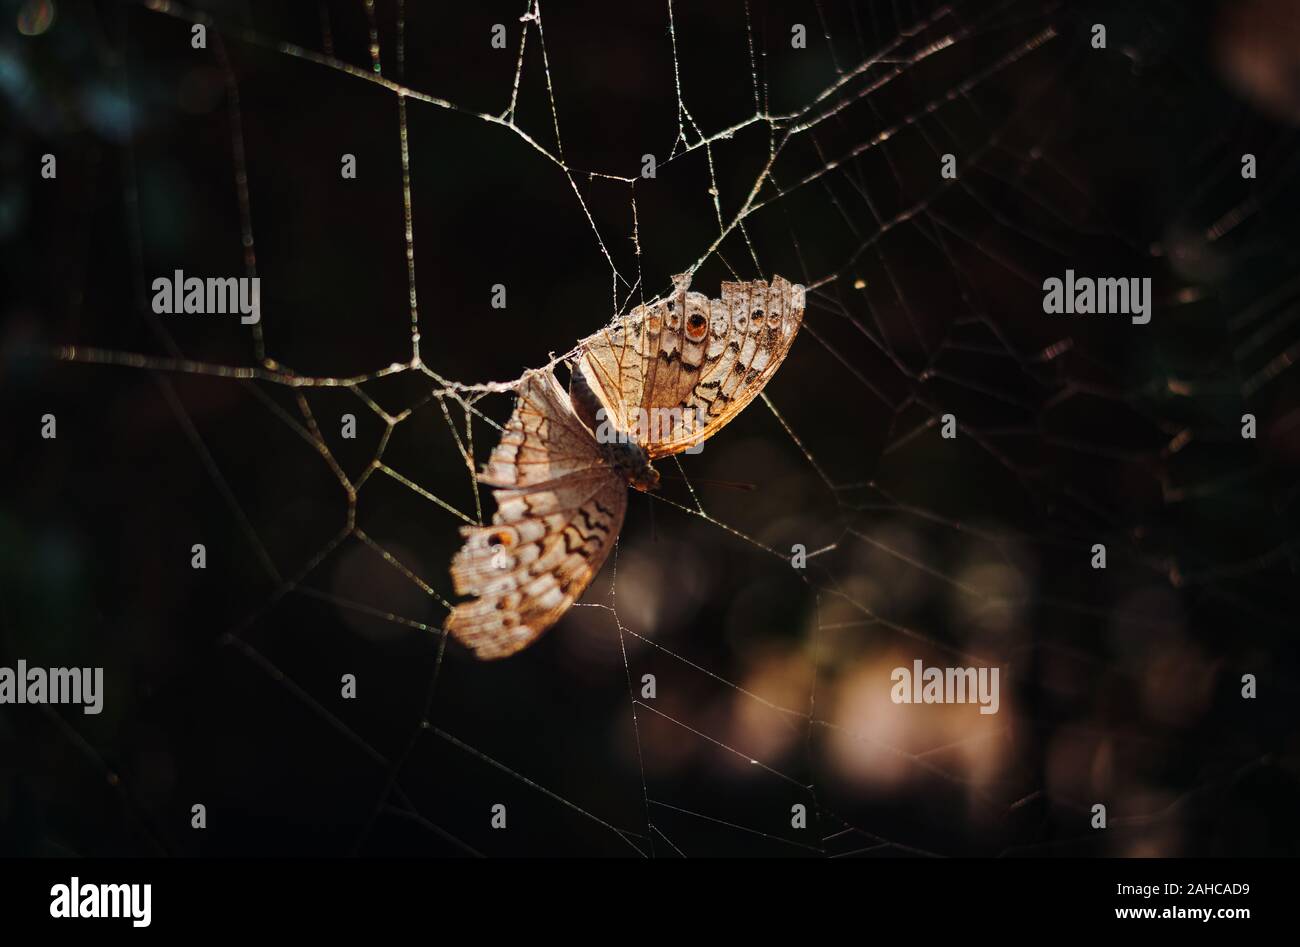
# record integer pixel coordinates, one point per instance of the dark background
(1120, 687)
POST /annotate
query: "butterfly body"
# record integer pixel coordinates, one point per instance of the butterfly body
(630, 461)
(653, 383)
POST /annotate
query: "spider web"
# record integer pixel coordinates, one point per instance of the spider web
(522, 167)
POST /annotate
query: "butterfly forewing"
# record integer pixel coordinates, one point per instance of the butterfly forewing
(673, 372)
(612, 365)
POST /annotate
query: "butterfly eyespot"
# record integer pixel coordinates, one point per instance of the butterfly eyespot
(774, 320)
(502, 537)
(674, 321)
(696, 325)
(741, 321)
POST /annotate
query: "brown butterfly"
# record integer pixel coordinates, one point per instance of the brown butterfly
(657, 381)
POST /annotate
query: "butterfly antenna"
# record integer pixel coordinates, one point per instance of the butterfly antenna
(708, 481)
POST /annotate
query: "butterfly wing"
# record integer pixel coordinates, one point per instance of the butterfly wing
(559, 510)
(610, 371)
(543, 441)
(674, 371)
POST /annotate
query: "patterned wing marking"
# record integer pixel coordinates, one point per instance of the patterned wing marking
(674, 371)
(613, 363)
(750, 331)
(559, 511)
(536, 559)
(543, 440)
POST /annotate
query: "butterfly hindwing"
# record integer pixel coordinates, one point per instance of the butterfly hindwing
(559, 511)
(543, 440)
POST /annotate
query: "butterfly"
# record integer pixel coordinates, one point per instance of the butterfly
(655, 382)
